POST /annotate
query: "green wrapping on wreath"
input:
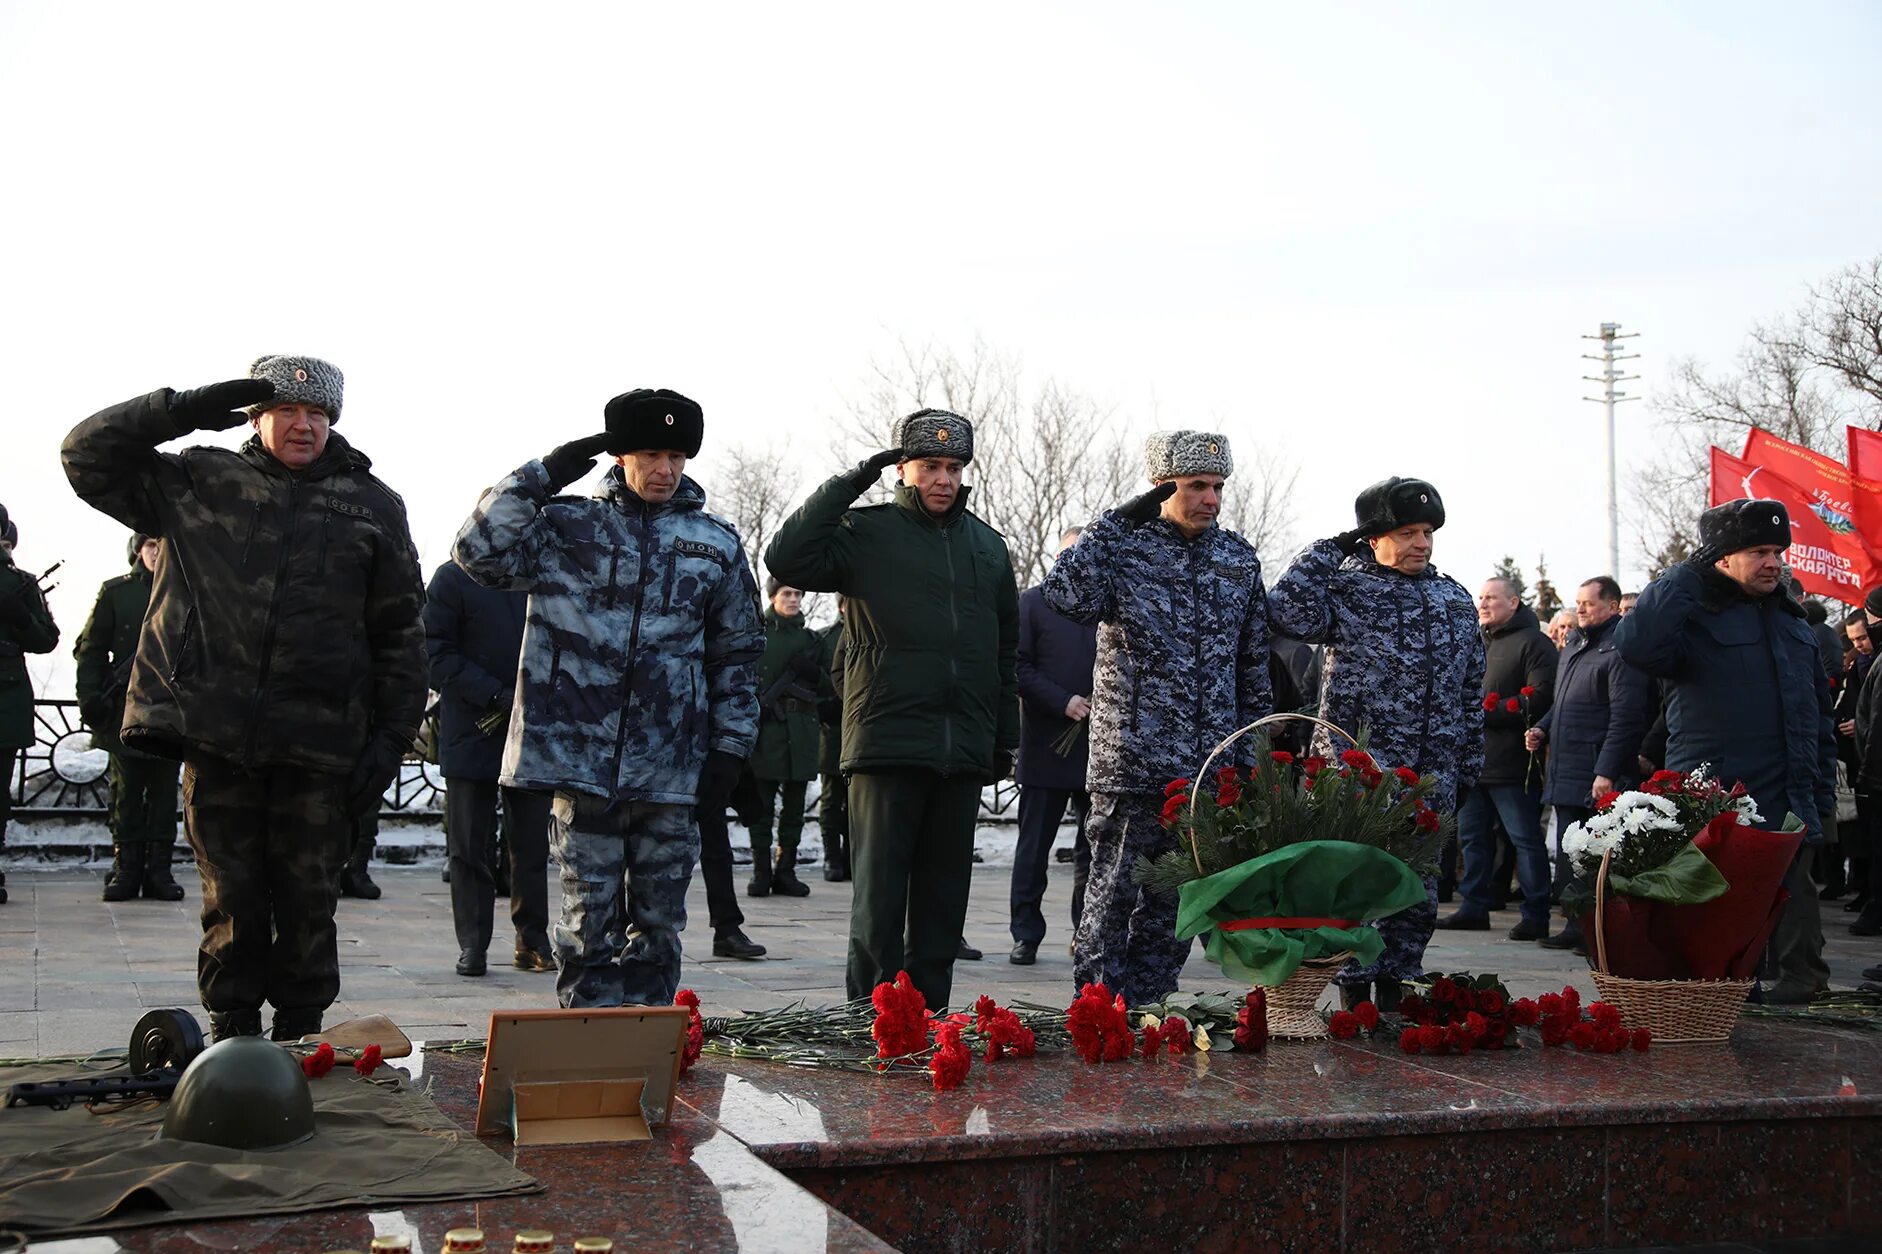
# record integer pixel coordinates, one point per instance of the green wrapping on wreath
(1334, 879)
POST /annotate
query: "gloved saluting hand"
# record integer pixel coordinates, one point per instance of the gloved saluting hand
(1705, 557)
(569, 462)
(870, 468)
(218, 406)
(1141, 509)
(1352, 543)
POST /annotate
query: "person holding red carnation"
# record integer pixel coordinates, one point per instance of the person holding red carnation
(1182, 664)
(1404, 663)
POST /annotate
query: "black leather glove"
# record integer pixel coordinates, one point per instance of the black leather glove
(1352, 543)
(1141, 509)
(719, 777)
(96, 714)
(214, 408)
(377, 767)
(569, 462)
(869, 469)
(1002, 768)
(1704, 558)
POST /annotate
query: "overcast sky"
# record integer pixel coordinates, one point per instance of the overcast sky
(1370, 236)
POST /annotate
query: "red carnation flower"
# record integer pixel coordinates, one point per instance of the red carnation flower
(1176, 1034)
(1528, 691)
(1489, 702)
(1431, 1038)
(318, 1063)
(1313, 766)
(1406, 776)
(1607, 799)
(1172, 809)
(1524, 1012)
(1490, 1002)
(1408, 1040)
(1368, 1015)
(1283, 757)
(1175, 786)
(369, 1060)
(1475, 1025)
(1358, 759)
(1554, 1031)
(1344, 1024)
(1251, 1021)
(1582, 1035)
(1512, 705)
(1411, 1005)
(1604, 1015)
(951, 1061)
(1228, 794)
(1426, 819)
(1152, 1040)
(1640, 1039)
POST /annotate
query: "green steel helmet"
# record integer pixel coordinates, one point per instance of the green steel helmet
(243, 1093)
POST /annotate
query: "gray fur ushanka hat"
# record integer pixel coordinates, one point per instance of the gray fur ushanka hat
(935, 433)
(1173, 454)
(299, 381)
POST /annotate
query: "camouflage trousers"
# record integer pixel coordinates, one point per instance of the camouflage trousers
(1406, 935)
(625, 867)
(269, 843)
(1127, 935)
(143, 800)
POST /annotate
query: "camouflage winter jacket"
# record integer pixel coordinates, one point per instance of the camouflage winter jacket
(283, 627)
(641, 648)
(1404, 661)
(1182, 648)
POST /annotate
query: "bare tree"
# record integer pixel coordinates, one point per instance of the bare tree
(1802, 378)
(754, 490)
(1258, 504)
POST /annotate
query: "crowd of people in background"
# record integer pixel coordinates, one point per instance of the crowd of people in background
(606, 684)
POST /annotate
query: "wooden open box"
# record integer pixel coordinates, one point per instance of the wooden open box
(568, 1077)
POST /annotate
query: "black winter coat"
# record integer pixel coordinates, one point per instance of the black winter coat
(474, 636)
(284, 618)
(1603, 705)
(1517, 655)
(1747, 690)
(1056, 657)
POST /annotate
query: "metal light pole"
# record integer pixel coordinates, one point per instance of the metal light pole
(1610, 332)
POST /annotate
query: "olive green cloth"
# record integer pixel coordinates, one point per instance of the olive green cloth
(64, 1172)
(1334, 879)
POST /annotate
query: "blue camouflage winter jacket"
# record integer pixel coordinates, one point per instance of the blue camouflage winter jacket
(641, 648)
(1404, 661)
(1182, 647)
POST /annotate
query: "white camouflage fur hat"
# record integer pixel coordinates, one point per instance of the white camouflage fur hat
(1172, 454)
(300, 381)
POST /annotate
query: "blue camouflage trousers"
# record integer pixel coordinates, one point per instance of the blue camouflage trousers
(1406, 934)
(1127, 935)
(625, 866)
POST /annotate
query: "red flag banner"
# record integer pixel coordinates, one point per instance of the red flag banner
(1826, 555)
(1865, 472)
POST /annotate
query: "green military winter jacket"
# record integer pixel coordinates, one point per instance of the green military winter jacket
(830, 699)
(105, 651)
(787, 701)
(284, 619)
(26, 626)
(931, 635)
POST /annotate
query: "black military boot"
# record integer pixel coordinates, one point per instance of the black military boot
(125, 879)
(292, 1025)
(226, 1023)
(784, 879)
(760, 885)
(159, 883)
(354, 880)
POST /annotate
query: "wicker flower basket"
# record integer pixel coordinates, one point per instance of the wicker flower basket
(1294, 1004)
(1676, 1012)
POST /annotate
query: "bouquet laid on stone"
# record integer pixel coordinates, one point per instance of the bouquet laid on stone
(1693, 887)
(1291, 860)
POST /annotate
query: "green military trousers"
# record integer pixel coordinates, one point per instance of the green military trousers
(911, 865)
(143, 800)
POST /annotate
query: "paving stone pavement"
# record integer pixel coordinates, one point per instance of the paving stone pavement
(76, 972)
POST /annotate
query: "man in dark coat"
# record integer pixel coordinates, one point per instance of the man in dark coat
(1056, 657)
(26, 626)
(930, 694)
(1518, 685)
(1867, 778)
(833, 810)
(474, 636)
(1404, 662)
(786, 758)
(1182, 664)
(282, 660)
(143, 788)
(1747, 695)
(1593, 731)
